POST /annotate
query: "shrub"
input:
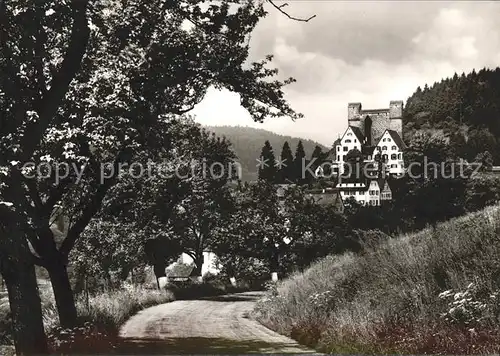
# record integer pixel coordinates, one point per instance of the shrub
(113, 308)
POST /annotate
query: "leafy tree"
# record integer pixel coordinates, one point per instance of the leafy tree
(485, 159)
(207, 205)
(177, 206)
(458, 144)
(257, 230)
(267, 164)
(482, 191)
(354, 164)
(437, 181)
(314, 230)
(108, 248)
(285, 233)
(318, 157)
(80, 97)
(480, 141)
(463, 101)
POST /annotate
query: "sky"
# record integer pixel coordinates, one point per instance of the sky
(360, 51)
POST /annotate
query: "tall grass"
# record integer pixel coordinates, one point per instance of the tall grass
(115, 307)
(100, 317)
(387, 298)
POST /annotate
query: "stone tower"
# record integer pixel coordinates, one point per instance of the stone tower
(396, 116)
(374, 122)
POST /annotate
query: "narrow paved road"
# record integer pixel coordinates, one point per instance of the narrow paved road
(210, 326)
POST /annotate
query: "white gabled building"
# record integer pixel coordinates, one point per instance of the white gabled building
(390, 147)
(352, 139)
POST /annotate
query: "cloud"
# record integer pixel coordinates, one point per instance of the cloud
(371, 52)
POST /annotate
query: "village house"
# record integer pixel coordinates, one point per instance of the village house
(367, 192)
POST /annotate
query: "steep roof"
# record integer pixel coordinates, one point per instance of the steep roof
(367, 150)
(358, 133)
(396, 138)
(326, 197)
(381, 183)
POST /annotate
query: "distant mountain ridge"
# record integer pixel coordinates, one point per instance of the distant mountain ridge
(247, 143)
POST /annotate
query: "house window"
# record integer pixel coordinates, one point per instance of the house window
(394, 148)
(347, 141)
(394, 166)
(338, 148)
(384, 148)
(394, 156)
(345, 148)
(400, 156)
(349, 134)
(338, 158)
(383, 140)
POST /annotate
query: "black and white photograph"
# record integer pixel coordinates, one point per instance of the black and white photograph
(213, 177)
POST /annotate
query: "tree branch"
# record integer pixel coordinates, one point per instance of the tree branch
(33, 193)
(280, 9)
(55, 195)
(91, 209)
(80, 34)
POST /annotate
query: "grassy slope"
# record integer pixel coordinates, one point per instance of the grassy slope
(387, 299)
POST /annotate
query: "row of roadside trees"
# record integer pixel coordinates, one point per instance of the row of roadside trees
(88, 86)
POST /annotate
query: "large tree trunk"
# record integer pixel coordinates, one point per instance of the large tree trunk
(159, 269)
(18, 272)
(29, 335)
(63, 294)
(198, 266)
(274, 264)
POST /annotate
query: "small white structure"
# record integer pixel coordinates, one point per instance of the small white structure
(366, 192)
(209, 262)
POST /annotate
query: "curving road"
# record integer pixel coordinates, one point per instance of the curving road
(210, 326)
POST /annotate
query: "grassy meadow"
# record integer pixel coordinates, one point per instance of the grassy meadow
(434, 291)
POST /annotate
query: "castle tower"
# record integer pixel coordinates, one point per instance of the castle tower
(376, 121)
(396, 116)
(353, 115)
